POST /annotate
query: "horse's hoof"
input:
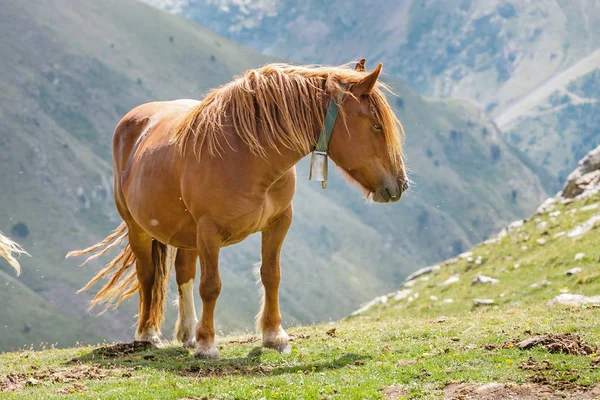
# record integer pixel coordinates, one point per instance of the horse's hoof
(154, 339)
(207, 352)
(278, 340)
(283, 348)
(190, 343)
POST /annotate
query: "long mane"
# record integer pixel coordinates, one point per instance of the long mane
(279, 105)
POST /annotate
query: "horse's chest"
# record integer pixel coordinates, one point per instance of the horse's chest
(260, 214)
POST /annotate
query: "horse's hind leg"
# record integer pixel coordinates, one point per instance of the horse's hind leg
(269, 318)
(141, 244)
(185, 271)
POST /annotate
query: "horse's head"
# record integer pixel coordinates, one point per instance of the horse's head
(366, 143)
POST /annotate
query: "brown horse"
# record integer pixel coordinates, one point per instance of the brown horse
(198, 176)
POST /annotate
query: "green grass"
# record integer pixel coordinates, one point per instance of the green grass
(362, 357)
(421, 345)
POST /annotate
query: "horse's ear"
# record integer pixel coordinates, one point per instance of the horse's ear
(360, 65)
(366, 84)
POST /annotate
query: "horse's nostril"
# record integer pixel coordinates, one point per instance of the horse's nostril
(405, 186)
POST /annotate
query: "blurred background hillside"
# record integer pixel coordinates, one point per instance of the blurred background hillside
(498, 100)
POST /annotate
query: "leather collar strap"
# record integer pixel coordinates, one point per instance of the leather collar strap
(330, 118)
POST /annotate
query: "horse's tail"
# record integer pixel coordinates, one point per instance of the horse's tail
(161, 260)
(8, 250)
(122, 283)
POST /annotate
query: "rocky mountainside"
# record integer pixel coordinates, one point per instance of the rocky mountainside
(524, 62)
(71, 70)
(552, 257)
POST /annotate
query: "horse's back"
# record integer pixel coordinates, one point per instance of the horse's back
(144, 119)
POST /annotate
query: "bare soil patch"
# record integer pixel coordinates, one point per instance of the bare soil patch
(566, 343)
(531, 391)
(17, 381)
(394, 392)
(122, 349)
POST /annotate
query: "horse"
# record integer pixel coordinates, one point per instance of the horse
(9, 250)
(191, 177)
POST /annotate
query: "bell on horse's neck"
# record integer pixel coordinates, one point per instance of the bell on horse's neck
(318, 168)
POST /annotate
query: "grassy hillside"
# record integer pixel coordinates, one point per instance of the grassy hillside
(413, 345)
(72, 69)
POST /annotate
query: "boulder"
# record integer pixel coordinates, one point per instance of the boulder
(585, 177)
(421, 272)
(574, 300)
(481, 279)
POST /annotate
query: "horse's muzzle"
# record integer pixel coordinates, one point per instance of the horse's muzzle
(390, 194)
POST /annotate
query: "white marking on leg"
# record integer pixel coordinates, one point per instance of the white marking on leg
(187, 315)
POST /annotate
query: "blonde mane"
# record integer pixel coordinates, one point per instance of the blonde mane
(280, 105)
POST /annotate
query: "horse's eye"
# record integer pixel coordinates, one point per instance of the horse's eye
(377, 127)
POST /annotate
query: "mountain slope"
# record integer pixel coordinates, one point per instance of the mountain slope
(551, 257)
(508, 57)
(70, 70)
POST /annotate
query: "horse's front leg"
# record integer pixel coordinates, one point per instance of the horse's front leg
(269, 317)
(209, 243)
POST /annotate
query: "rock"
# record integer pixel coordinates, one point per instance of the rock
(542, 225)
(559, 234)
(493, 240)
(409, 284)
(483, 302)
(579, 256)
(573, 271)
(478, 261)
(574, 300)
(451, 261)
(433, 298)
(375, 301)
(554, 214)
(421, 272)
(589, 207)
(532, 342)
(469, 259)
(580, 180)
(451, 280)
(515, 224)
(547, 205)
(533, 285)
(541, 241)
(585, 227)
(447, 301)
(465, 255)
(402, 294)
(566, 201)
(524, 248)
(516, 266)
(484, 279)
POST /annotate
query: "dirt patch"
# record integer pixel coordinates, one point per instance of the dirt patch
(531, 391)
(75, 388)
(566, 343)
(17, 381)
(121, 349)
(394, 392)
(532, 364)
(251, 339)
